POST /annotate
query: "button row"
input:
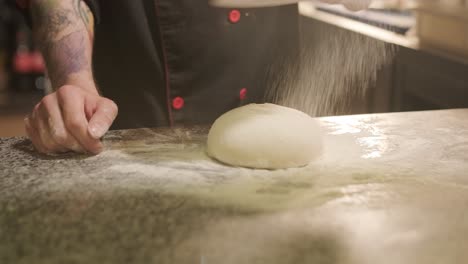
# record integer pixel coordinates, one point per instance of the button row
(178, 102)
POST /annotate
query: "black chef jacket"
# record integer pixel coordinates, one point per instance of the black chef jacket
(178, 62)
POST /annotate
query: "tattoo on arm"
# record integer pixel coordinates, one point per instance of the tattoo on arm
(64, 30)
(50, 23)
(82, 9)
(70, 51)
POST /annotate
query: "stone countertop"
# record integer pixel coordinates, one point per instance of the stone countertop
(388, 188)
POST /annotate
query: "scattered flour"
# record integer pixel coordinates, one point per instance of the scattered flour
(335, 68)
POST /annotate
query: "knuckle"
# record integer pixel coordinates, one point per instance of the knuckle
(111, 109)
(47, 100)
(77, 148)
(36, 107)
(60, 137)
(73, 123)
(46, 105)
(66, 90)
(113, 106)
(31, 131)
(27, 122)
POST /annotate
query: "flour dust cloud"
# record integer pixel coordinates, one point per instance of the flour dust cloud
(333, 68)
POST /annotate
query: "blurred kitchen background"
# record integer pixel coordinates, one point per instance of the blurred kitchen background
(22, 69)
(429, 70)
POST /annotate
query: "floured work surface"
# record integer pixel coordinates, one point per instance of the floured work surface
(389, 188)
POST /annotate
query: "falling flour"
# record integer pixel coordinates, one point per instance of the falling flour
(334, 68)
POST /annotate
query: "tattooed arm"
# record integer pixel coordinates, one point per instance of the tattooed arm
(75, 116)
(64, 30)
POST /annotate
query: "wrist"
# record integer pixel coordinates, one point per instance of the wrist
(82, 81)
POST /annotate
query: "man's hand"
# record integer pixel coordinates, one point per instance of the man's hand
(70, 119)
(74, 117)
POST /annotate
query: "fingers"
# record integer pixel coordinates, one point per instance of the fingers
(59, 123)
(45, 128)
(43, 132)
(51, 121)
(102, 119)
(73, 104)
(33, 136)
(39, 134)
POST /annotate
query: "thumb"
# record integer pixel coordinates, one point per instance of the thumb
(103, 117)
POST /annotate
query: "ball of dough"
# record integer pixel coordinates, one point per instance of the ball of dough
(264, 136)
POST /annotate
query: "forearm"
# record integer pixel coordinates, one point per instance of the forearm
(64, 31)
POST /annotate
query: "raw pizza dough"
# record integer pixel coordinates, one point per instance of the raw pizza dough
(265, 136)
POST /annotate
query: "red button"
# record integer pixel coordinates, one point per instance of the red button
(178, 103)
(234, 16)
(243, 93)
